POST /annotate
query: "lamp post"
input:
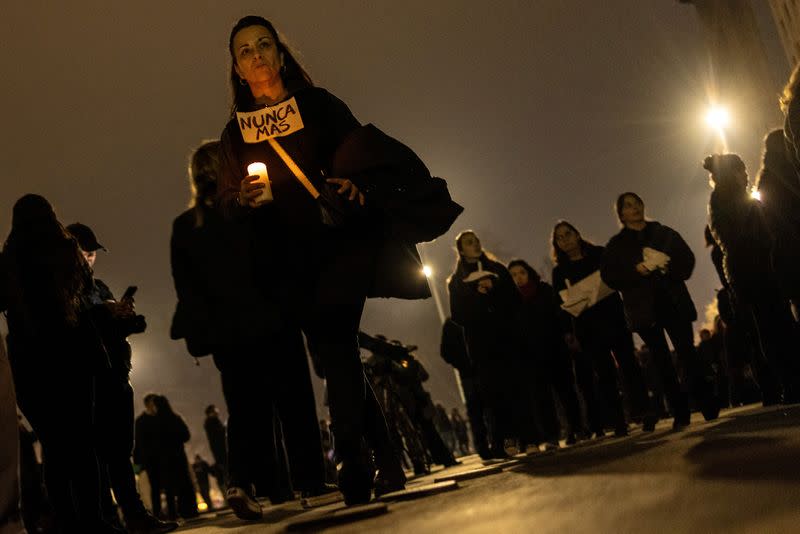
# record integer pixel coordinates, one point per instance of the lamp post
(427, 270)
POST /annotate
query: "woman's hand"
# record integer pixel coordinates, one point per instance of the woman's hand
(249, 191)
(347, 187)
(641, 269)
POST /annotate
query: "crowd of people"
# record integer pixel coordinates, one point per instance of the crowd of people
(266, 269)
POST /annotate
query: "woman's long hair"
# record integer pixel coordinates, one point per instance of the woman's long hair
(558, 255)
(204, 168)
(293, 74)
(49, 274)
(777, 177)
(792, 89)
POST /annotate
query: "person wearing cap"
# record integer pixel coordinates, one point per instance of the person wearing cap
(114, 397)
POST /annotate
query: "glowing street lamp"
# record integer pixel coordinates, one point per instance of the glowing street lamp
(718, 118)
(755, 194)
(427, 271)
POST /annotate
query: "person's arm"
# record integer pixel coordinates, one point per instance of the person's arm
(682, 260)
(183, 429)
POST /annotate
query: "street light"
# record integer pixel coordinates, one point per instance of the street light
(718, 118)
(427, 271)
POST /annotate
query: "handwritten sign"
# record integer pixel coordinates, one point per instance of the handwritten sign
(272, 121)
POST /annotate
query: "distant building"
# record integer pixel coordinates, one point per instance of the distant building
(787, 20)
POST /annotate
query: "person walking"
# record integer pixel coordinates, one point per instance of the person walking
(649, 263)
(310, 245)
(485, 302)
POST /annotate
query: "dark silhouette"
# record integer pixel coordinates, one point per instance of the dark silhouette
(738, 225)
(202, 473)
(173, 466)
(53, 347)
(485, 302)
(217, 442)
(264, 370)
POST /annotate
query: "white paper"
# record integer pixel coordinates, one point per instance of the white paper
(584, 294)
(271, 121)
(654, 259)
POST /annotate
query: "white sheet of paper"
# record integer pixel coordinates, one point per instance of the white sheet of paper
(271, 121)
(584, 294)
(654, 259)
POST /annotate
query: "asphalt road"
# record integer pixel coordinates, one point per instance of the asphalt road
(740, 473)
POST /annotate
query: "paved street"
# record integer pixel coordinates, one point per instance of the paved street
(740, 473)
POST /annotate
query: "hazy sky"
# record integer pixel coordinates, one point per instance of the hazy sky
(532, 110)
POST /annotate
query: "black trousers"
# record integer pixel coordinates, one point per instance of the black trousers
(261, 384)
(47, 381)
(475, 411)
(324, 281)
(778, 342)
(114, 416)
(682, 337)
(555, 374)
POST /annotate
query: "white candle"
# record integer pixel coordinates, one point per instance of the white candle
(259, 169)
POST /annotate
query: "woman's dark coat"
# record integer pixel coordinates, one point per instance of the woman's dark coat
(657, 297)
(489, 320)
(219, 303)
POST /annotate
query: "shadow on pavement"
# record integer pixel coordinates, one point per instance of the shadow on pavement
(753, 445)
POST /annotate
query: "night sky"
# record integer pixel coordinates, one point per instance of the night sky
(532, 110)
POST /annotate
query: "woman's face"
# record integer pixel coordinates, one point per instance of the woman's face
(519, 274)
(258, 60)
(632, 210)
(567, 240)
(471, 247)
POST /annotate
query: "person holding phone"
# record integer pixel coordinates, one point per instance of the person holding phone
(115, 320)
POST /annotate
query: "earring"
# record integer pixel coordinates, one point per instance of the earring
(242, 81)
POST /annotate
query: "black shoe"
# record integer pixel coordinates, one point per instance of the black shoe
(149, 524)
(355, 481)
(621, 430)
(679, 424)
(243, 503)
(452, 461)
(572, 439)
(711, 412)
(390, 478)
(649, 423)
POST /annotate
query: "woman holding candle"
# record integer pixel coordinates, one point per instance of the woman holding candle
(321, 274)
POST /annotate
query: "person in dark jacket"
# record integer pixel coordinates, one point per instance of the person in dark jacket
(454, 351)
(485, 302)
(114, 397)
(172, 434)
(740, 338)
(547, 362)
(320, 273)
(778, 186)
(53, 347)
(202, 474)
(738, 225)
(600, 330)
(261, 358)
(648, 263)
